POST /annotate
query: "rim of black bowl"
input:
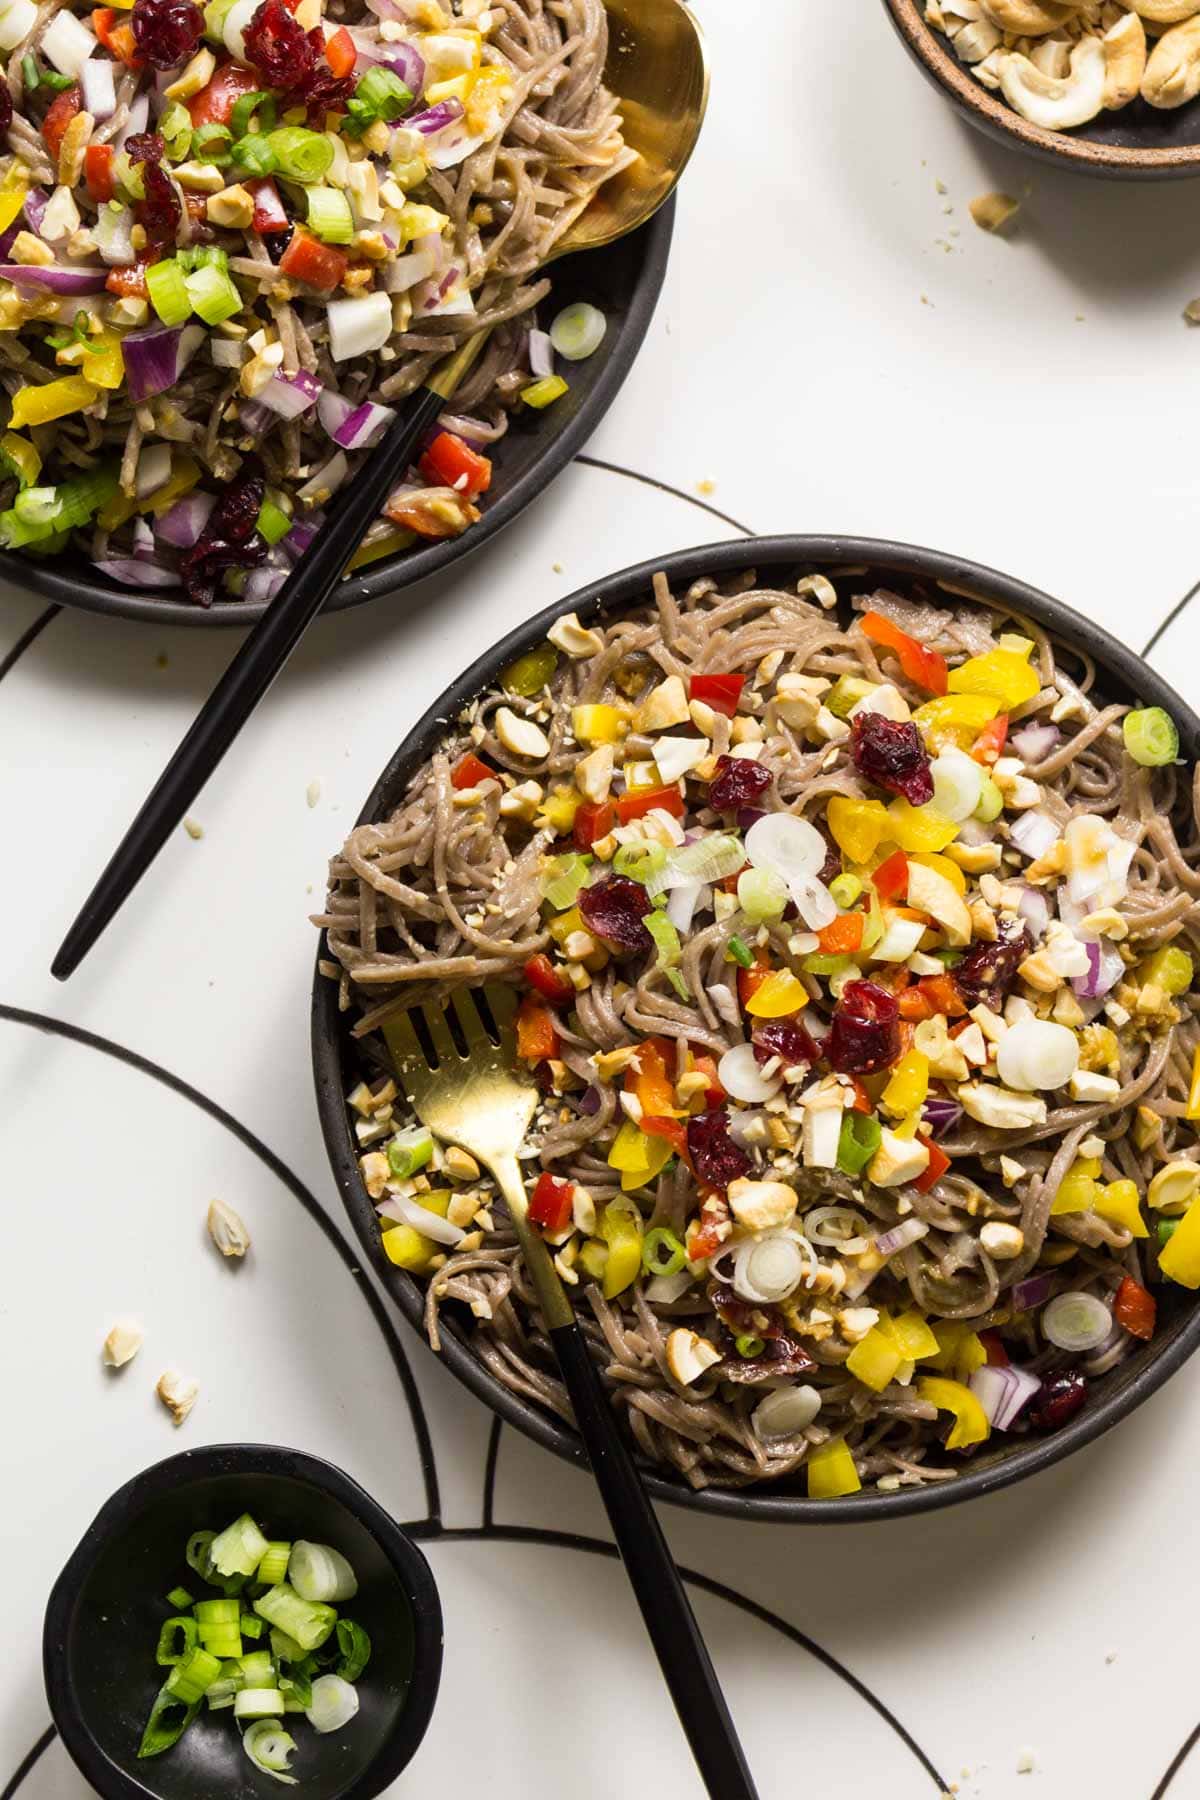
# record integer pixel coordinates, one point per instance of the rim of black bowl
(131, 1500)
(1096, 155)
(781, 558)
(83, 587)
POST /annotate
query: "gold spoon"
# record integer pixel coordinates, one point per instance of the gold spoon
(658, 66)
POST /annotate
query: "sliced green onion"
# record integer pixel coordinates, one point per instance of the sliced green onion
(167, 286)
(578, 331)
(259, 103)
(567, 874)
(211, 142)
(197, 1553)
(201, 255)
(319, 1573)
(175, 130)
(169, 1719)
(238, 1551)
(1167, 1229)
(175, 1639)
(250, 1625)
(58, 84)
(213, 294)
(666, 938)
(1151, 737)
(214, 19)
(662, 1254)
(258, 1669)
(820, 964)
(738, 950)
(860, 1139)
(29, 71)
(273, 524)
(642, 862)
(269, 1746)
(334, 1703)
(355, 1647)
(409, 1151)
(273, 1567)
(845, 890)
(218, 1612)
(258, 1703)
(219, 1693)
(310, 1625)
(179, 1598)
(285, 1648)
(543, 393)
(329, 215)
(383, 92)
(762, 896)
(991, 802)
(304, 155)
(253, 155)
(190, 1679)
(749, 1346)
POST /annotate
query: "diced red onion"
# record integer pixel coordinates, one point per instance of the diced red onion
(301, 535)
(683, 902)
(1030, 1293)
(1033, 833)
(255, 419)
(156, 357)
(329, 476)
(182, 523)
(405, 60)
(541, 353)
(139, 118)
(290, 395)
(99, 89)
(1002, 1389)
(363, 428)
(429, 1224)
(56, 280)
(745, 1128)
(1036, 740)
(1034, 908)
(589, 1102)
(435, 118)
(130, 573)
(9, 238)
(36, 202)
(941, 1115)
(263, 584)
(1104, 971)
(404, 272)
(748, 816)
(143, 540)
(910, 1231)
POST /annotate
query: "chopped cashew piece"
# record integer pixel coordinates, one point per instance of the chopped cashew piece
(689, 1356)
(1028, 18)
(761, 1205)
(178, 1394)
(1175, 1187)
(1125, 56)
(574, 639)
(1085, 1084)
(594, 773)
(226, 1230)
(897, 1160)
(994, 212)
(664, 705)
(1000, 1107)
(931, 893)
(1165, 12)
(523, 737)
(1058, 103)
(1172, 75)
(123, 1343)
(1003, 1242)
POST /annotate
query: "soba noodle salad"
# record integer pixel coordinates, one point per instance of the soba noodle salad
(854, 939)
(232, 238)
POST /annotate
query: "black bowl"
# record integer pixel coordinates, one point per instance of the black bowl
(106, 1608)
(623, 279)
(1139, 142)
(782, 559)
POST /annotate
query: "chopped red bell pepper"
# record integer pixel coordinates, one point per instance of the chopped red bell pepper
(636, 806)
(97, 172)
(715, 1093)
(1135, 1309)
(842, 936)
(62, 110)
(319, 265)
(891, 877)
(925, 668)
(129, 282)
(862, 1101)
(118, 39)
(721, 692)
(728, 883)
(939, 1162)
(594, 819)
(448, 462)
(214, 104)
(469, 771)
(551, 1202)
(715, 1214)
(268, 207)
(537, 1039)
(550, 982)
(997, 1355)
(674, 1130)
(991, 740)
(340, 52)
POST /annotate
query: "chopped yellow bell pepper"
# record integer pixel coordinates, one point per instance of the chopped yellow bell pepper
(955, 720)
(970, 1420)
(407, 1248)
(920, 827)
(941, 865)
(1000, 674)
(1179, 1258)
(638, 1156)
(388, 545)
(490, 90)
(1170, 968)
(561, 928)
(875, 1360)
(905, 1092)
(12, 199)
(593, 1258)
(1077, 1189)
(1193, 1105)
(912, 1335)
(54, 400)
(1119, 1204)
(858, 827)
(623, 1235)
(777, 997)
(103, 361)
(596, 724)
(831, 1471)
(960, 1351)
(529, 674)
(23, 456)
(559, 809)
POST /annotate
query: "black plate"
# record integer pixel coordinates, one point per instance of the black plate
(623, 280)
(1138, 142)
(107, 1606)
(781, 559)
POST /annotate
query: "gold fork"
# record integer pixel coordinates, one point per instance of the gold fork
(478, 1101)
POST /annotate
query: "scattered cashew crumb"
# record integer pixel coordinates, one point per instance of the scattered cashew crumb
(193, 828)
(1025, 1762)
(123, 1343)
(1111, 1657)
(313, 792)
(227, 1230)
(994, 212)
(706, 486)
(178, 1394)
(1191, 312)
(557, 567)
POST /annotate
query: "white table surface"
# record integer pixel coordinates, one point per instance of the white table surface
(837, 348)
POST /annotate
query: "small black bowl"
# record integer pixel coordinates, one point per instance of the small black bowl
(1138, 142)
(106, 1608)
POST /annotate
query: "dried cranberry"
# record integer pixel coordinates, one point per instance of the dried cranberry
(786, 1040)
(166, 32)
(613, 909)
(865, 1035)
(145, 147)
(6, 107)
(737, 782)
(1061, 1395)
(987, 972)
(229, 540)
(323, 91)
(279, 47)
(831, 868)
(715, 1157)
(890, 753)
(741, 1319)
(781, 1357)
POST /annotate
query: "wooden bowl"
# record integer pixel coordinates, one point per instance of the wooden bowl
(1137, 143)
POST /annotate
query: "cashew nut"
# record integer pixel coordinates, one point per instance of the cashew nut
(1165, 12)
(1125, 59)
(1030, 18)
(1052, 56)
(1058, 104)
(977, 40)
(1172, 75)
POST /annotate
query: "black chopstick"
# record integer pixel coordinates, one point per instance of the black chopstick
(260, 659)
